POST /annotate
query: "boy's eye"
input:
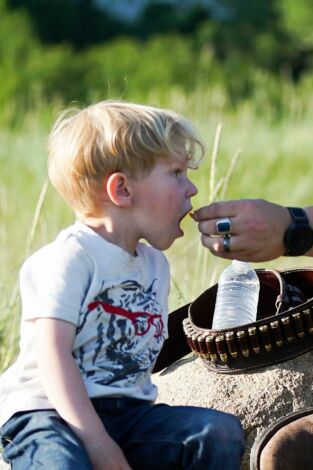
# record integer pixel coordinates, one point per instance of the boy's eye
(177, 172)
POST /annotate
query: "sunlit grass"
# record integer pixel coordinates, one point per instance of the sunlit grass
(249, 154)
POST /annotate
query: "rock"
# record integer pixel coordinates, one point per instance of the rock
(257, 398)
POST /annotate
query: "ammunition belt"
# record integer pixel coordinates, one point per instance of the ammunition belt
(284, 326)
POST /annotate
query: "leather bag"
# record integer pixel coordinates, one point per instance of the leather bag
(283, 329)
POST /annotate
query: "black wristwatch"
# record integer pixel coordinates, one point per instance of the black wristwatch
(298, 238)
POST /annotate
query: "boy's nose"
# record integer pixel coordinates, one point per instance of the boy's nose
(192, 189)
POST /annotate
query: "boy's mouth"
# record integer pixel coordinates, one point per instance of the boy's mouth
(181, 219)
(189, 211)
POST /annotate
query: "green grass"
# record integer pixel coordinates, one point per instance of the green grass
(274, 163)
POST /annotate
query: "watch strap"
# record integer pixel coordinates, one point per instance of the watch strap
(301, 224)
(298, 215)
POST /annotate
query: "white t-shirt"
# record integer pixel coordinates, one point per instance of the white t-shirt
(117, 301)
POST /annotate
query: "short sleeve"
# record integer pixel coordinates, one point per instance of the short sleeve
(54, 282)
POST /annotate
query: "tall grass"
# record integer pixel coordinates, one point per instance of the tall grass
(249, 154)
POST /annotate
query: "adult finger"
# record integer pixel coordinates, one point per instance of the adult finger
(209, 226)
(240, 248)
(237, 248)
(218, 210)
(217, 247)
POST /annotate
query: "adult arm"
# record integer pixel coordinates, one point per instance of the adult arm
(65, 389)
(258, 228)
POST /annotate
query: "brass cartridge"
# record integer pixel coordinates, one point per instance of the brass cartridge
(196, 346)
(202, 346)
(297, 318)
(287, 328)
(308, 320)
(266, 339)
(252, 331)
(275, 327)
(211, 347)
(188, 338)
(221, 348)
(231, 344)
(243, 343)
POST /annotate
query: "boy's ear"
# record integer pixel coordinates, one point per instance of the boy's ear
(118, 189)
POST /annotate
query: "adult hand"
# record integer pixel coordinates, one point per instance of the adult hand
(257, 229)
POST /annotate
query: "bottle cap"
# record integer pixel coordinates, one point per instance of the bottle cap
(240, 267)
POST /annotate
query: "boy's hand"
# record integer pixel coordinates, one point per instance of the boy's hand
(106, 455)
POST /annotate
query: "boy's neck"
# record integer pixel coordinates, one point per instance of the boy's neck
(113, 231)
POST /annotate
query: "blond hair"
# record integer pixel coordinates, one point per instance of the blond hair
(86, 145)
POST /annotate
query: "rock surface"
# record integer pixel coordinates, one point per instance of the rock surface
(257, 398)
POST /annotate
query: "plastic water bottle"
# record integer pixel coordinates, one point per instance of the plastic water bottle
(237, 296)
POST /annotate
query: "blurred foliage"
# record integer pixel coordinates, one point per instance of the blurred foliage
(246, 64)
(81, 22)
(297, 18)
(68, 50)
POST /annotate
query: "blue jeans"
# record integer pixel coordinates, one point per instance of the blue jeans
(151, 436)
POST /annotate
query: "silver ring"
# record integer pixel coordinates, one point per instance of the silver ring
(226, 243)
(223, 226)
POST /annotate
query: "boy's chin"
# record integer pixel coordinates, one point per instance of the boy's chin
(163, 245)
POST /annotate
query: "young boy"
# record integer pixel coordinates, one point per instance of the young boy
(94, 306)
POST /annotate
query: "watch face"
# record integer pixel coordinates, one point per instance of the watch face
(299, 238)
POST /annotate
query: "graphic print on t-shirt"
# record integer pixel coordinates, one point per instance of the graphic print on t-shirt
(128, 333)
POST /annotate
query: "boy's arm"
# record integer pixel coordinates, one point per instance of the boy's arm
(65, 389)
